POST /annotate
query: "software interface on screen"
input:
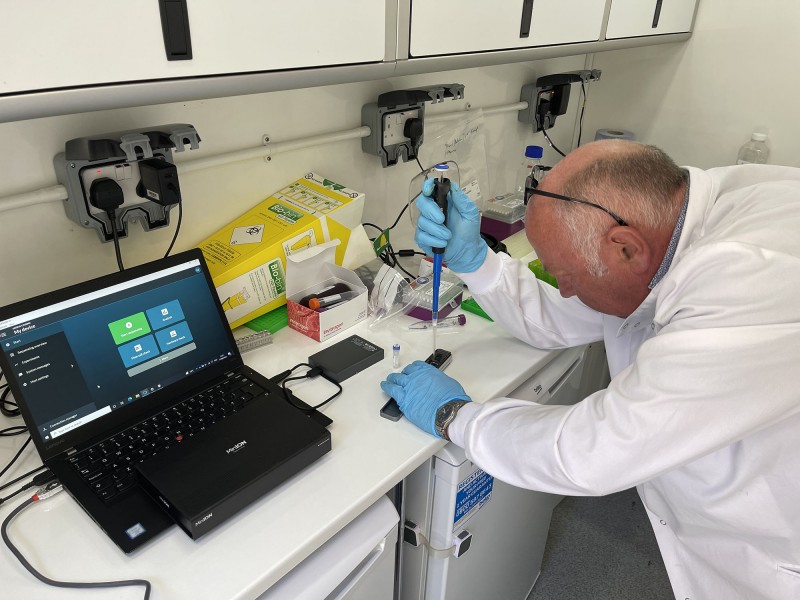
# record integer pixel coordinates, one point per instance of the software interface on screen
(83, 358)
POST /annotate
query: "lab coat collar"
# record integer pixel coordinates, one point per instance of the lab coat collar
(673, 241)
(701, 186)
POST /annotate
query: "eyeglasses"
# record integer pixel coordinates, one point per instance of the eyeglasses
(536, 191)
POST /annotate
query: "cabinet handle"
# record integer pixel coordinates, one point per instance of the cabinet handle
(525, 24)
(657, 13)
(175, 26)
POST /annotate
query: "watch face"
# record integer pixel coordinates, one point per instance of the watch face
(444, 412)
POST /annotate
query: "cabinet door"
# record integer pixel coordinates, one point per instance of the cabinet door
(634, 18)
(457, 26)
(45, 44)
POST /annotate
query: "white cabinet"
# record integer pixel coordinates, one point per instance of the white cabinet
(441, 27)
(635, 18)
(47, 45)
(357, 563)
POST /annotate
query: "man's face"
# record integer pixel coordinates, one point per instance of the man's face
(549, 238)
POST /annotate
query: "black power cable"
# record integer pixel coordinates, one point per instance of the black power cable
(177, 227)
(389, 255)
(311, 373)
(21, 477)
(8, 408)
(16, 456)
(107, 195)
(43, 493)
(40, 480)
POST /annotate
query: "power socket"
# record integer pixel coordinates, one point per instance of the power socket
(116, 156)
(395, 126)
(125, 174)
(549, 97)
(550, 103)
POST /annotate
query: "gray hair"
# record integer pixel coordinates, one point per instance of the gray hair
(638, 183)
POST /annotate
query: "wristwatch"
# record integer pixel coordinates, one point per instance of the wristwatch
(445, 415)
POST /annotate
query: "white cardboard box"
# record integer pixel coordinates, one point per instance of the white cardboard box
(313, 270)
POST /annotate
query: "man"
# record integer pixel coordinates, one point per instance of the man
(692, 279)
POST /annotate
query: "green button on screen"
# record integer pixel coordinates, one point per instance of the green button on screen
(129, 328)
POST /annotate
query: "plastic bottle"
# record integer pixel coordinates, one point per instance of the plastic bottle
(532, 170)
(755, 151)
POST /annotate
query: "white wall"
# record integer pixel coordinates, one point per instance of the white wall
(43, 250)
(700, 100)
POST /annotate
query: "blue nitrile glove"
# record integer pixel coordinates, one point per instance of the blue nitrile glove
(420, 390)
(464, 248)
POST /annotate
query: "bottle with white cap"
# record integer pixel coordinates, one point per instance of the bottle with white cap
(755, 151)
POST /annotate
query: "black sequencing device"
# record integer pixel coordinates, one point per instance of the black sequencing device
(346, 358)
(233, 464)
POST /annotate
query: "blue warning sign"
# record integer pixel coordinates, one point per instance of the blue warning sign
(471, 495)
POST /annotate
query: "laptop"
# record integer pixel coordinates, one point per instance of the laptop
(139, 364)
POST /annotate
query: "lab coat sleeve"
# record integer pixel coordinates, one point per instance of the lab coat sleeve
(722, 366)
(529, 309)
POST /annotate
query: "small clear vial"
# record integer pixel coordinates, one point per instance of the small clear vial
(396, 356)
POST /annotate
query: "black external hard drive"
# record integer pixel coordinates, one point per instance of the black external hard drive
(346, 358)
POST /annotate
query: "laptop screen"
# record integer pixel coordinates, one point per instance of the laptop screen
(81, 359)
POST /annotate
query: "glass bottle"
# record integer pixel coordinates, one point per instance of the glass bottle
(532, 171)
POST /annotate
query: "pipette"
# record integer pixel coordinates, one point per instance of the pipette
(441, 187)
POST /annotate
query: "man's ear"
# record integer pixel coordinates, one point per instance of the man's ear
(627, 248)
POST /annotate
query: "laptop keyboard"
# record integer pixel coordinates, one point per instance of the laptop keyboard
(109, 466)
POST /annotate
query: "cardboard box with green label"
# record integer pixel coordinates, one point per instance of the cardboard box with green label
(247, 257)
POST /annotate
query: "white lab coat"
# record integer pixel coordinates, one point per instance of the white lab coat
(703, 410)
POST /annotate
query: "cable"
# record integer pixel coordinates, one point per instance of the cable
(583, 108)
(552, 145)
(21, 477)
(16, 456)
(112, 215)
(312, 372)
(177, 227)
(42, 494)
(8, 408)
(38, 481)
(389, 256)
(13, 430)
(107, 195)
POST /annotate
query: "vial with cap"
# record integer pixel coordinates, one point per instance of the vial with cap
(396, 356)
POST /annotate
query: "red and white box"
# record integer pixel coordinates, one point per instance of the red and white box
(310, 272)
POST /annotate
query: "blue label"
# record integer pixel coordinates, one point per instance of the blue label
(471, 495)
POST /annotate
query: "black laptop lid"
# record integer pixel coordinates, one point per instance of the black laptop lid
(88, 360)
